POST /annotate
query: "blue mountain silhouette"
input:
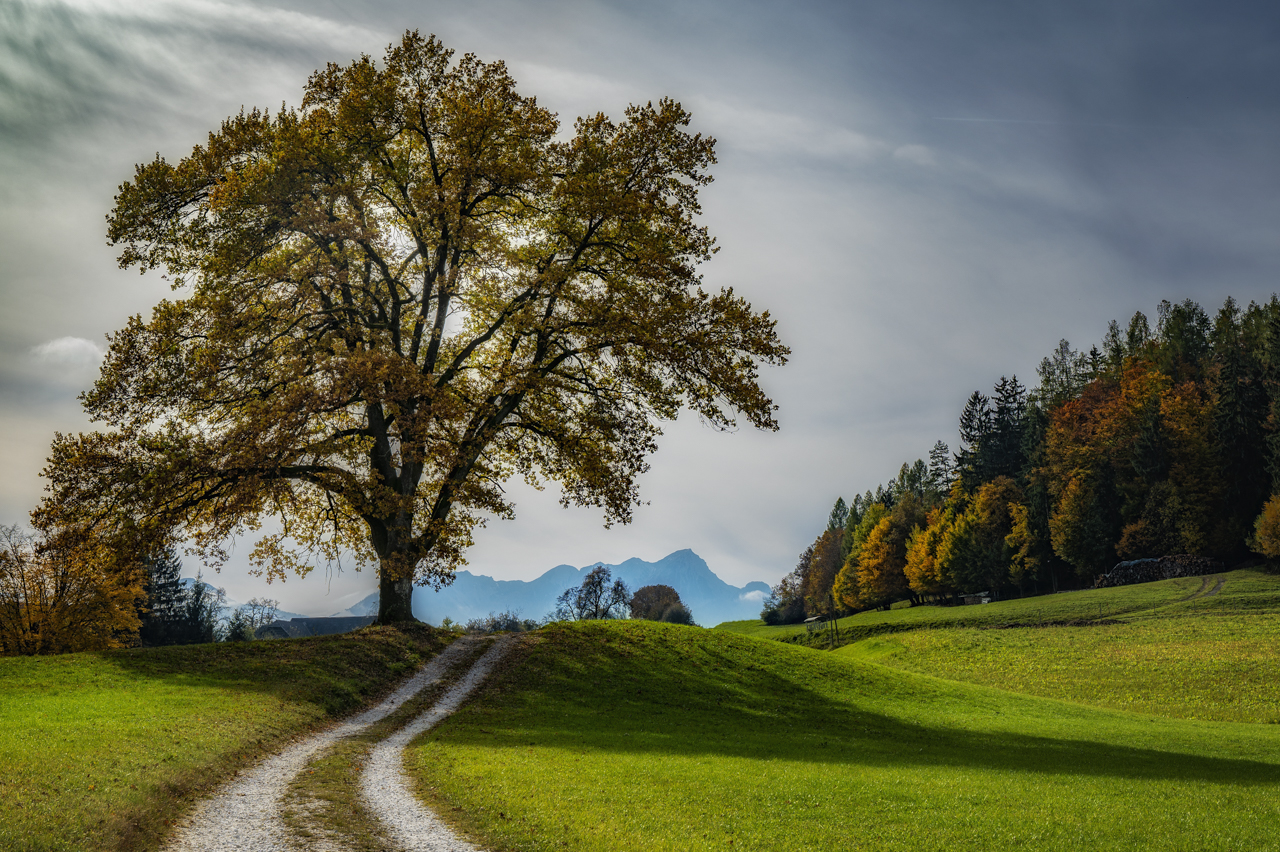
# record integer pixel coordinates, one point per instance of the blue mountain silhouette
(711, 599)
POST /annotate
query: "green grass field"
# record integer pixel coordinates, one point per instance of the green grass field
(1063, 608)
(1139, 718)
(101, 751)
(1213, 657)
(621, 736)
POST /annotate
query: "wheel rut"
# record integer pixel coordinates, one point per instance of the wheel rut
(385, 785)
(246, 815)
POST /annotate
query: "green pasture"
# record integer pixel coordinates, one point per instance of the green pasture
(1061, 608)
(621, 736)
(102, 751)
(1213, 657)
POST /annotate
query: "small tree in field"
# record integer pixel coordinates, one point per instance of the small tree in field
(660, 603)
(62, 593)
(599, 596)
(394, 298)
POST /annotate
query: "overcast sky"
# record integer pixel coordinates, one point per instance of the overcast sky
(927, 195)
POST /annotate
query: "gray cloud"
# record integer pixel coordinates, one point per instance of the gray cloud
(1110, 155)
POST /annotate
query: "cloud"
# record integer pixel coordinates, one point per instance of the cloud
(66, 66)
(783, 134)
(754, 595)
(919, 155)
(68, 352)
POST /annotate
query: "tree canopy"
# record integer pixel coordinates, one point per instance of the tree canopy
(392, 299)
(599, 596)
(1156, 444)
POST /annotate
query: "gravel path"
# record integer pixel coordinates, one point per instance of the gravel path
(245, 817)
(385, 786)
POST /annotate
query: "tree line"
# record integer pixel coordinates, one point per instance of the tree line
(1153, 443)
(59, 595)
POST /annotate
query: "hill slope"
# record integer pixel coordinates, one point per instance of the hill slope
(103, 751)
(630, 736)
(1211, 655)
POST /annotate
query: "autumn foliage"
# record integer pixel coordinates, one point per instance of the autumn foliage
(63, 593)
(391, 299)
(1158, 443)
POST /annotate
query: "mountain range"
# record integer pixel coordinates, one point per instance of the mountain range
(711, 599)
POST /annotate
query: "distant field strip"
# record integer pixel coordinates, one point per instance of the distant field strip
(1251, 588)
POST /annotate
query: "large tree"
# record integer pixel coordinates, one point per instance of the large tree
(395, 297)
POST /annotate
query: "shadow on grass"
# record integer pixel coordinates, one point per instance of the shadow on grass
(677, 691)
(337, 673)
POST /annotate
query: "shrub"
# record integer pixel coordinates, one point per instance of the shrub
(1266, 530)
(660, 603)
(677, 614)
(501, 622)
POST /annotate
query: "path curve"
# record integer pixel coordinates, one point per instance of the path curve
(385, 785)
(245, 816)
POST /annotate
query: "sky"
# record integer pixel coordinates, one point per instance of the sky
(926, 195)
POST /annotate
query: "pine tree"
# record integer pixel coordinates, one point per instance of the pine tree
(975, 425)
(839, 515)
(1138, 335)
(1240, 412)
(941, 467)
(1004, 451)
(1271, 381)
(1113, 346)
(165, 614)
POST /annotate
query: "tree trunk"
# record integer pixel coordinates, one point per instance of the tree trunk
(395, 599)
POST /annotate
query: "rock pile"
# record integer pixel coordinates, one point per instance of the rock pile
(1149, 570)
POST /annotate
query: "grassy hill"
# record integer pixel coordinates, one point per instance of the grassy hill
(1136, 718)
(101, 751)
(1087, 605)
(1212, 656)
(621, 736)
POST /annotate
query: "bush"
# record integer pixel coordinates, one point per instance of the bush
(1266, 530)
(782, 611)
(501, 622)
(677, 614)
(660, 603)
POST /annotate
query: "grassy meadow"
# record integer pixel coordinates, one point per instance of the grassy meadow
(1086, 605)
(1194, 648)
(102, 751)
(1137, 718)
(622, 736)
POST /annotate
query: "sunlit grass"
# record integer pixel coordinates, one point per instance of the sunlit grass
(101, 751)
(1213, 657)
(1083, 605)
(647, 736)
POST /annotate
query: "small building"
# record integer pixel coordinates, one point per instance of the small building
(296, 628)
(976, 598)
